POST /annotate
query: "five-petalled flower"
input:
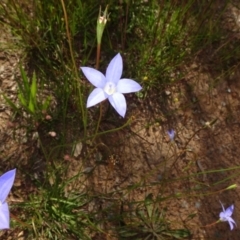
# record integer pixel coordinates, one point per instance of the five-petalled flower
(110, 87)
(6, 182)
(225, 216)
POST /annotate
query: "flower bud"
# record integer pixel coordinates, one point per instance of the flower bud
(101, 23)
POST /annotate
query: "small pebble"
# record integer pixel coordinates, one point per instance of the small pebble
(52, 134)
(167, 92)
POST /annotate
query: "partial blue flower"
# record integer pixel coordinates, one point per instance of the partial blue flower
(225, 216)
(6, 183)
(171, 134)
(110, 87)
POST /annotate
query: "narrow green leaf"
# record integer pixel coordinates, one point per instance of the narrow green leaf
(26, 88)
(34, 87)
(46, 103)
(178, 233)
(31, 106)
(22, 99)
(10, 103)
(33, 93)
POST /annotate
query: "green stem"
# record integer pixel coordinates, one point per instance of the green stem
(101, 110)
(115, 129)
(99, 120)
(74, 66)
(98, 55)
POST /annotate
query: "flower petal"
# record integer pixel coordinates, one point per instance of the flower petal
(95, 77)
(114, 69)
(95, 97)
(127, 86)
(4, 216)
(222, 206)
(231, 220)
(6, 182)
(229, 211)
(118, 101)
(231, 225)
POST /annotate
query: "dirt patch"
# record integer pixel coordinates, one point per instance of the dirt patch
(207, 139)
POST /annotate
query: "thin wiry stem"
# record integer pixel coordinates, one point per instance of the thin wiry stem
(101, 110)
(74, 65)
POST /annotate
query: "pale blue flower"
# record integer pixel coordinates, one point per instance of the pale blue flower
(6, 182)
(171, 134)
(225, 216)
(110, 87)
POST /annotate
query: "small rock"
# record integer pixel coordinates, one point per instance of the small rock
(167, 92)
(52, 134)
(88, 170)
(78, 149)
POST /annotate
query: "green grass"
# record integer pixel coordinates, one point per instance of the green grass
(157, 39)
(53, 215)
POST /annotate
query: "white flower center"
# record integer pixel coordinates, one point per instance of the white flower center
(110, 88)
